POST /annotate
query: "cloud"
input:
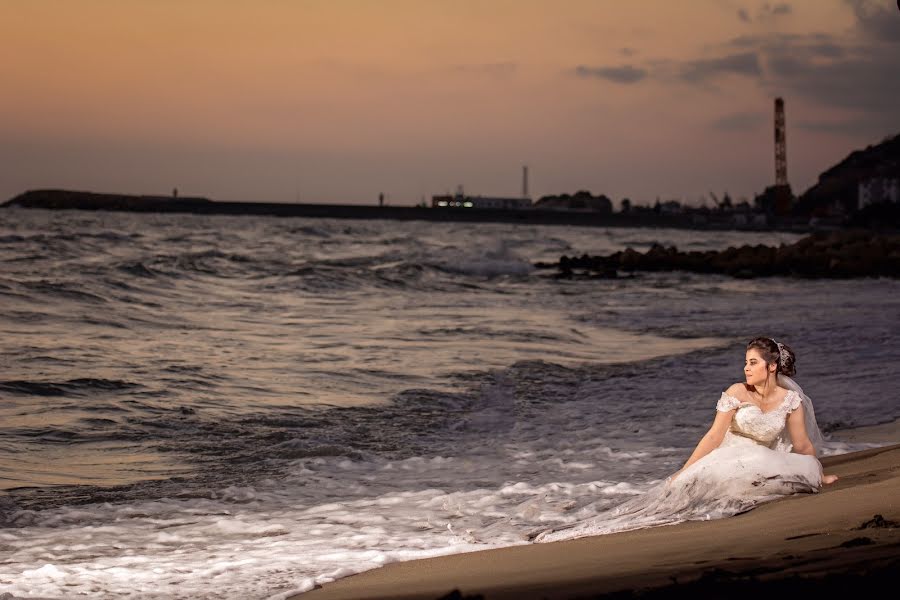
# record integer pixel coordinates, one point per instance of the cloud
(876, 19)
(623, 74)
(805, 46)
(867, 126)
(827, 49)
(850, 75)
(782, 8)
(860, 82)
(854, 76)
(766, 12)
(828, 70)
(697, 71)
(742, 121)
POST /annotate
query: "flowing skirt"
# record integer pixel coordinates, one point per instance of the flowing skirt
(735, 477)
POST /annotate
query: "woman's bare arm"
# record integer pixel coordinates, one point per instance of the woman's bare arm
(797, 430)
(800, 439)
(710, 441)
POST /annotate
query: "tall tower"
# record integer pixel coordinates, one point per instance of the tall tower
(780, 144)
(525, 181)
(783, 195)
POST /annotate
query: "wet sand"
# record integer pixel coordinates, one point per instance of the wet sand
(844, 539)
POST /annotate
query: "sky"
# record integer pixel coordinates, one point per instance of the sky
(340, 100)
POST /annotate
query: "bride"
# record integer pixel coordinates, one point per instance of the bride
(761, 446)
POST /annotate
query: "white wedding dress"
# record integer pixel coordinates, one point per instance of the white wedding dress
(752, 465)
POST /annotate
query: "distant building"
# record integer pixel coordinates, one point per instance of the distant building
(580, 201)
(463, 201)
(878, 190)
(671, 207)
(749, 220)
(775, 200)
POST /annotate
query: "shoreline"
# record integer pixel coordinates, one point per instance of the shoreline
(90, 201)
(848, 534)
(879, 434)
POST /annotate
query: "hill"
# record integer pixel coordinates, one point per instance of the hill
(836, 192)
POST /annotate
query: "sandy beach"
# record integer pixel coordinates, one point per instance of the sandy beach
(844, 538)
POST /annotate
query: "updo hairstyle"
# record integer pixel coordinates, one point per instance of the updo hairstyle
(768, 349)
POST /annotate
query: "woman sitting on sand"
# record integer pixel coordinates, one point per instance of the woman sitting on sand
(761, 446)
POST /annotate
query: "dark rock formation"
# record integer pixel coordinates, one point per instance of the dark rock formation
(836, 255)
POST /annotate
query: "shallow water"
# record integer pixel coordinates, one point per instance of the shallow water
(196, 406)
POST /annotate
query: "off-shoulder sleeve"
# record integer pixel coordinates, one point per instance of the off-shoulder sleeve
(727, 403)
(793, 400)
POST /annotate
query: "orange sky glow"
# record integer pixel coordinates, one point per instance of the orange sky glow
(339, 100)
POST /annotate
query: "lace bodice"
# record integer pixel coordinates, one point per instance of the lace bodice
(766, 428)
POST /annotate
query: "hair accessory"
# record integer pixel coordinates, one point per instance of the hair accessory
(782, 353)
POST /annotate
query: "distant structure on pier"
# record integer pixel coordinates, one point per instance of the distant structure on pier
(461, 200)
(778, 199)
(782, 189)
(780, 144)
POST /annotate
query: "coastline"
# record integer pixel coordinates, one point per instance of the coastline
(802, 543)
(91, 201)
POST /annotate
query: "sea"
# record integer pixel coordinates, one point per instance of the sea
(197, 406)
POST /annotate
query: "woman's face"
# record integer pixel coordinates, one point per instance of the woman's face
(755, 368)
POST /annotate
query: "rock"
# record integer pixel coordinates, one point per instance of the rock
(843, 254)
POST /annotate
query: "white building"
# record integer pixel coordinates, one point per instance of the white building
(462, 201)
(878, 190)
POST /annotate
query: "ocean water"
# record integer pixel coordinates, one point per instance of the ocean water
(243, 407)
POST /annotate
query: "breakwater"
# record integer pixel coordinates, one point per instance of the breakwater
(78, 200)
(837, 255)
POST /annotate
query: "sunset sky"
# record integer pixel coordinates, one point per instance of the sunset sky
(338, 100)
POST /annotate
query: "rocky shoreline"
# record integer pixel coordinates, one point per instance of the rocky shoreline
(836, 255)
